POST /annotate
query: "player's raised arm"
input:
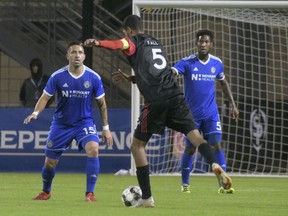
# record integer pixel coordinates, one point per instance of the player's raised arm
(39, 107)
(121, 44)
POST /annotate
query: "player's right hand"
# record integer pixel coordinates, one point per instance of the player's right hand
(91, 42)
(28, 119)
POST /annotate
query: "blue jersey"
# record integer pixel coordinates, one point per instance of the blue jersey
(74, 95)
(199, 83)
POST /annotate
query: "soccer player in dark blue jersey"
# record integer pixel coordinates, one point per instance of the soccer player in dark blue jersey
(201, 70)
(164, 102)
(75, 86)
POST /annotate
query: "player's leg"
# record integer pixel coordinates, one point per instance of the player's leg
(212, 131)
(56, 143)
(181, 120)
(88, 139)
(142, 172)
(48, 173)
(152, 120)
(186, 166)
(214, 140)
(189, 156)
(219, 155)
(92, 170)
(206, 151)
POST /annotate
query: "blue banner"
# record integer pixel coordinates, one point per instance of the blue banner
(22, 146)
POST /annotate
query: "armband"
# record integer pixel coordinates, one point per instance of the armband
(106, 127)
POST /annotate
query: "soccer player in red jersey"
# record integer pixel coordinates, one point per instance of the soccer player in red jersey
(165, 104)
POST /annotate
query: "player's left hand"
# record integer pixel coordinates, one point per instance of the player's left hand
(235, 113)
(107, 137)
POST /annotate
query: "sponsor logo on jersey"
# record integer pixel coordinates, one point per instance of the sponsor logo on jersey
(86, 84)
(213, 69)
(195, 69)
(75, 93)
(50, 143)
(65, 85)
(203, 77)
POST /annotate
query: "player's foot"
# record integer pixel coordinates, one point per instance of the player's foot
(221, 190)
(223, 178)
(185, 188)
(90, 197)
(42, 196)
(144, 203)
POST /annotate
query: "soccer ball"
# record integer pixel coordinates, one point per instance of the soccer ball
(131, 195)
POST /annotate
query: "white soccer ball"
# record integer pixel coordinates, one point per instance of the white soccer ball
(131, 195)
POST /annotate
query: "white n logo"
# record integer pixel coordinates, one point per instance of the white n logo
(194, 77)
(65, 93)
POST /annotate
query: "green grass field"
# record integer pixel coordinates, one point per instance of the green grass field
(254, 196)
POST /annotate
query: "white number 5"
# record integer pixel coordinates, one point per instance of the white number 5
(218, 126)
(156, 55)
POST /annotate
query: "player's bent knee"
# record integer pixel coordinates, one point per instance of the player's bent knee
(50, 163)
(91, 149)
(195, 137)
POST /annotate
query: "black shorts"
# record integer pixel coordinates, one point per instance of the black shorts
(155, 116)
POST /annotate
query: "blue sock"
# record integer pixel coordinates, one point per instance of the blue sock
(220, 158)
(47, 178)
(186, 167)
(92, 171)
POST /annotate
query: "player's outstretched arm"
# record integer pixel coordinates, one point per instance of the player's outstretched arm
(39, 107)
(121, 44)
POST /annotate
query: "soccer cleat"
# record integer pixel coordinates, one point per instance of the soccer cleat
(185, 188)
(223, 178)
(90, 197)
(42, 196)
(144, 203)
(221, 190)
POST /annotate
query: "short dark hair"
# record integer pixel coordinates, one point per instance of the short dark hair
(205, 32)
(72, 43)
(134, 22)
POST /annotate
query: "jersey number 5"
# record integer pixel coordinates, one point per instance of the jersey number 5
(157, 55)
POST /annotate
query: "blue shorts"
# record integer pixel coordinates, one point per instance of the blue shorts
(61, 136)
(210, 128)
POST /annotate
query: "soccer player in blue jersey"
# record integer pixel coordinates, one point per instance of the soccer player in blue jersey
(201, 70)
(75, 86)
(164, 105)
